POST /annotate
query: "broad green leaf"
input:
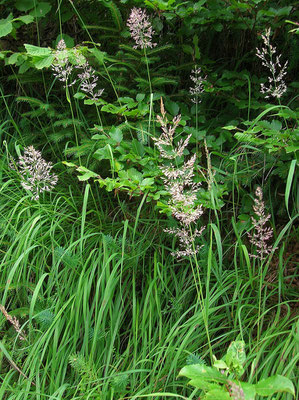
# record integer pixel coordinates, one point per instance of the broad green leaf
(87, 176)
(24, 5)
(13, 58)
(27, 19)
(140, 97)
(172, 107)
(217, 394)
(112, 109)
(99, 55)
(44, 62)
(116, 135)
(79, 95)
(248, 389)
(202, 371)
(41, 9)
(274, 384)
(138, 148)
(24, 67)
(203, 384)
(135, 175)
(37, 51)
(69, 41)
(220, 364)
(103, 153)
(147, 183)
(5, 27)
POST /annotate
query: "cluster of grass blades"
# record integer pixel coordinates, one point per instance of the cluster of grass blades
(110, 314)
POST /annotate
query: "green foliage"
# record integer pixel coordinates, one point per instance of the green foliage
(87, 270)
(221, 380)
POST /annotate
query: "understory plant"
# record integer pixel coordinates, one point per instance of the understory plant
(222, 380)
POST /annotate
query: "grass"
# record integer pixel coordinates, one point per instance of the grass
(110, 314)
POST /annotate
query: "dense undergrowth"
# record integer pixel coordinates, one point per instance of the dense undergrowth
(166, 227)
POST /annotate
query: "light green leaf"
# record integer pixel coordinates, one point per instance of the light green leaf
(69, 164)
(201, 371)
(112, 109)
(248, 389)
(274, 384)
(37, 51)
(13, 58)
(116, 135)
(5, 27)
(217, 394)
(220, 364)
(27, 19)
(44, 62)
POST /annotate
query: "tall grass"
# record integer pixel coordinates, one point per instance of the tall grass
(107, 311)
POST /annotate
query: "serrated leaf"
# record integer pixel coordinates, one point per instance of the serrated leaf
(37, 51)
(44, 62)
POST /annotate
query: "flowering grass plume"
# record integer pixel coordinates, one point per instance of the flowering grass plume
(262, 233)
(178, 181)
(88, 79)
(198, 87)
(35, 172)
(13, 320)
(276, 84)
(61, 66)
(140, 28)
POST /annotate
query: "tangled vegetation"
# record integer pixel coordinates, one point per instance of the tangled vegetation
(149, 199)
